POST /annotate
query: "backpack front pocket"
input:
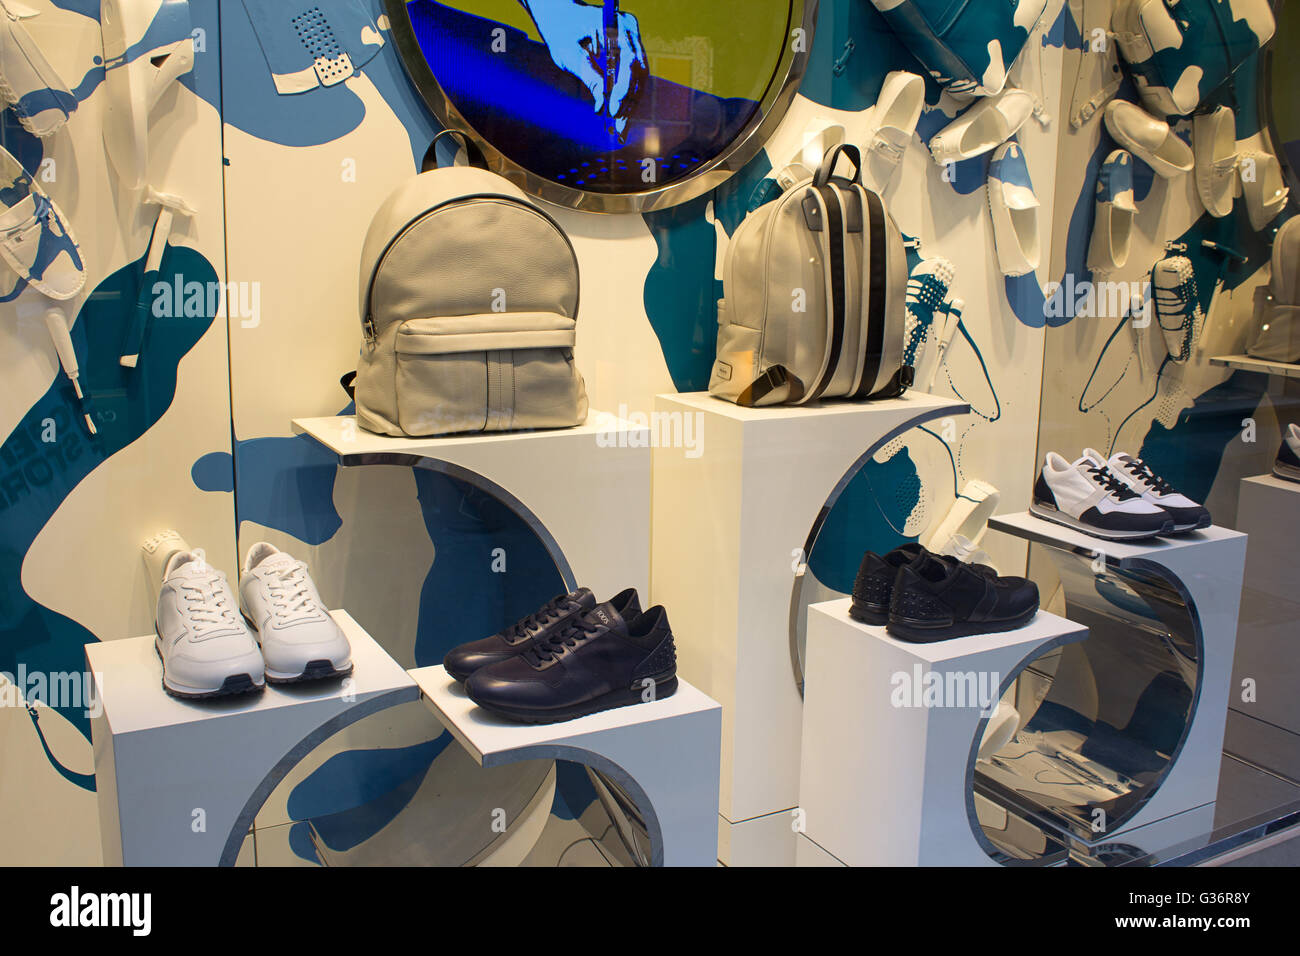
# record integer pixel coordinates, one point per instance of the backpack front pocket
(492, 372)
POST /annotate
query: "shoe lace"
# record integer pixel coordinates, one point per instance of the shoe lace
(1142, 472)
(553, 647)
(291, 591)
(543, 617)
(208, 602)
(1105, 478)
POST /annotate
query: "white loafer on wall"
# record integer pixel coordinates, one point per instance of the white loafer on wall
(1014, 208)
(1112, 230)
(1149, 139)
(35, 239)
(28, 83)
(982, 128)
(896, 114)
(1214, 141)
(1262, 185)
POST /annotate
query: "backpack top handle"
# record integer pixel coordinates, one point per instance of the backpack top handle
(472, 151)
(827, 169)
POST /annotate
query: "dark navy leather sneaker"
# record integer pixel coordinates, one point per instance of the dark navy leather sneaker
(1287, 465)
(553, 616)
(874, 588)
(935, 600)
(600, 661)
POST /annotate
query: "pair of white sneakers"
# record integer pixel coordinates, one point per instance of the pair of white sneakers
(213, 645)
(1118, 499)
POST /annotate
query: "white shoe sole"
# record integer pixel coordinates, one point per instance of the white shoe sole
(1059, 517)
(1286, 472)
(229, 686)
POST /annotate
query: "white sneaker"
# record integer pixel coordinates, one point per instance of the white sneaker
(1138, 475)
(205, 647)
(1085, 496)
(300, 641)
(35, 239)
(1177, 306)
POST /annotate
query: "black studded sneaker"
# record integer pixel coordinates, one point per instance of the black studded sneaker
(874, 587)
(555, 615)
(601, 660)
(935, 600)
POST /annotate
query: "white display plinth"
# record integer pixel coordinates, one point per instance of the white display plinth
(886, 776)
(1206, 568)
(585, 491)
(663, 754)
(1268, 643)
(731, 517)
(178, 782)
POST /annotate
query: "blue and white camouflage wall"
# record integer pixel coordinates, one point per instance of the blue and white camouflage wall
(286, 186)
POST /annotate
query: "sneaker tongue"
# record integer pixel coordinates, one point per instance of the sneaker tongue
(1092, 456)
(606, 616)
(276, 562)
(193, 566)
(584, 598)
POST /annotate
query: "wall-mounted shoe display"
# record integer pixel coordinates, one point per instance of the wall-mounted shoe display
(300, 641)
(1149, 139)
(1112, 229)
(135, 79)
(1214, 142)
(36, 240)
(982, 128)
(1086, 496)
(1188, 515)
(1287, 465)
(1263, 187)
(551, 618)
(968, 517)
(205, 645)
(1015, 212)
(937, 599)
(1177, 305)
(601, 660)
(28, 83)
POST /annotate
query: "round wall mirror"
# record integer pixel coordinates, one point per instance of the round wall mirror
(613, 106)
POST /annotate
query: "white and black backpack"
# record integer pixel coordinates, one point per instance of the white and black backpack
(814, 286)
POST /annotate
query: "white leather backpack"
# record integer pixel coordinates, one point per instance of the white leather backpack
(815, 286)
(469, 303)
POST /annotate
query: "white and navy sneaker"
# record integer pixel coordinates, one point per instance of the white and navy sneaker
(1137, 474)
(1086, 496)
(205, 647)
(300, 641)
(1287, 465)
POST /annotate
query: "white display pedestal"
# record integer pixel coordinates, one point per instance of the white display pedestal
(663, 754)
(1206, 569)
(886, 778)
(179, 782)
(1268, 644)
(584, 491)
(731, 517)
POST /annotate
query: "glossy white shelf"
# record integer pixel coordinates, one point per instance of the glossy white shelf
(164, 766)
(1246, 363)
(1033, 528)
(572, 486)
(663, 753)
(884, 776)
